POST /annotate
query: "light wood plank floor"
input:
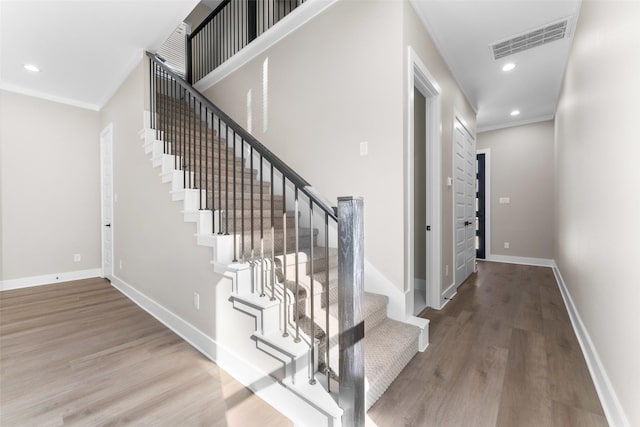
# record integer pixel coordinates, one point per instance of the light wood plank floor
(502, 353)
(80, 353)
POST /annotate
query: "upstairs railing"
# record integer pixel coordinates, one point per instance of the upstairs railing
(230, 27)
(278, 224)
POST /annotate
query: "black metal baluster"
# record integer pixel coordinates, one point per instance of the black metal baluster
(226, 184)
(200, 154)
(251, 197)
(183, 149)
(273, 243)
(242, 199)
(206, 162)
(262, 294)
(235, 202)
(192, 145)
(220, 178)
(152, 106)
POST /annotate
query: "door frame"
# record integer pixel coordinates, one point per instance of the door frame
(106, 137)
(418, 76)
(457, 118)
(487, 200)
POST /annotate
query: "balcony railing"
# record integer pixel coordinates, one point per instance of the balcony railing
(230, 27)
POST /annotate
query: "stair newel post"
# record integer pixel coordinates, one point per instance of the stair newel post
(350, 301)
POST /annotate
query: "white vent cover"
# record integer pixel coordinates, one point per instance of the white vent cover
(530, 39)
(173, 49)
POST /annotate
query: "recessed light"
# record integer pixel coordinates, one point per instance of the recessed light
(515, 112)
(31, 67)
(508, 66)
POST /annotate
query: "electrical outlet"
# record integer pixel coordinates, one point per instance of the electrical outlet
(77, 258)
(196, 301)
(446, 270)
(506, 245)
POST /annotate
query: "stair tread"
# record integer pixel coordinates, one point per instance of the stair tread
(255, 300)
(372, 303)
(285, 345)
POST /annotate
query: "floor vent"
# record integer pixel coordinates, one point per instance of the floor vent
(538, 37)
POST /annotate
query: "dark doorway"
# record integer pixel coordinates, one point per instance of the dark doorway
(480, 206)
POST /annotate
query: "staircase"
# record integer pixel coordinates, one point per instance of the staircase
(276, 239)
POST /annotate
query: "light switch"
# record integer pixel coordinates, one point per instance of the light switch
(505, 200)
(364, 148)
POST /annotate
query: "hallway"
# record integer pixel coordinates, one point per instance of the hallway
(502, 353)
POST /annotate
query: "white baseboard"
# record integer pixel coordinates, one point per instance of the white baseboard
(47, 279)
(540, 262)
(611, 405)
(259, 382)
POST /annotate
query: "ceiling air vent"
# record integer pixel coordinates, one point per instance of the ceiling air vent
(530, 39)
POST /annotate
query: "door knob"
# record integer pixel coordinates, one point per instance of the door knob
(107, 225)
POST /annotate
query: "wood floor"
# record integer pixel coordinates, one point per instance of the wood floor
(80, 353)
(502, 353)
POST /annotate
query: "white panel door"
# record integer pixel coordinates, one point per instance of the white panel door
(464, 203)
(106, 154)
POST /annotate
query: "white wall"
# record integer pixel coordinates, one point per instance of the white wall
(50, 187)
(598, 195)
(337, 81)
(522, 169)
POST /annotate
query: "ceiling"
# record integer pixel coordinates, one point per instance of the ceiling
(84, 49)
(463, 31)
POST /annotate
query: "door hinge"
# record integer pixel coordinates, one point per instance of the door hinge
(428, 228)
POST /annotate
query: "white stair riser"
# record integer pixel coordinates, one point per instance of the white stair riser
(267, 319)
(297, 368)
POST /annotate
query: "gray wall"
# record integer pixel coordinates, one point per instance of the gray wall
(50, 187)
(333, 83)
(598, 194)
(522, 168)
(415, 35)
(158, 250)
